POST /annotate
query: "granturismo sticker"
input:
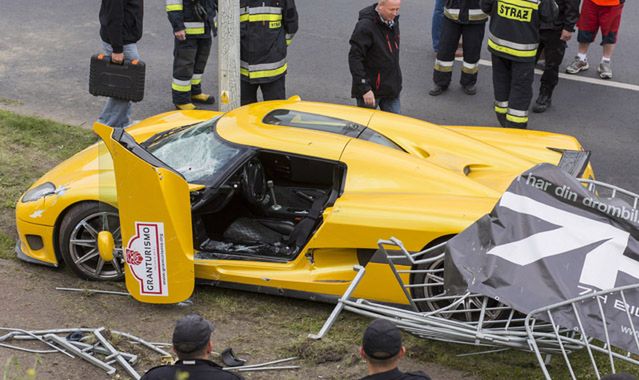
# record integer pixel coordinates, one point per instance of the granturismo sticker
(146, 258)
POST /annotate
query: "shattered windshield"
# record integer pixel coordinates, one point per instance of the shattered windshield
(195, 151)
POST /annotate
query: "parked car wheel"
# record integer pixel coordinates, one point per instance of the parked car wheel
(79, 246)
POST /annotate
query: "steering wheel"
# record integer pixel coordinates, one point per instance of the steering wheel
(253, 183)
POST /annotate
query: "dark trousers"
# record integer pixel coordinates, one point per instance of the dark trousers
(554, 49)
(270, 91)
(189, 60)
(512, 83)
(451, 32)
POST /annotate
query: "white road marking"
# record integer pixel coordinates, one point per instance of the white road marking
(600, 82)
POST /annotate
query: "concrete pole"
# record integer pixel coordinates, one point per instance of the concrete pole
(228, 54)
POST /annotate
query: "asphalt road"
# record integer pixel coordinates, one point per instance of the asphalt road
(45, 48)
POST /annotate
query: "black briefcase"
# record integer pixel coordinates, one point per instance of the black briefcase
(121, 81)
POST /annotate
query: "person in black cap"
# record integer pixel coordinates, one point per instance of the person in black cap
(382, 349)
(192, 345)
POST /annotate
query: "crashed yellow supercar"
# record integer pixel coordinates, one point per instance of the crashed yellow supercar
(280, 197)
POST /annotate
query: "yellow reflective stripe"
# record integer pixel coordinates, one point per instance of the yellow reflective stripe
(517, 119)
(194, 30)
(289, 42)
(181, 88)
(513, 52)
(174, 7)
(196, 81)
(260, 17)
(501, 110)
(263, 73)
(521, 3)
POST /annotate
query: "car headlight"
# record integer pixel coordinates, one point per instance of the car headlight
(38, 192)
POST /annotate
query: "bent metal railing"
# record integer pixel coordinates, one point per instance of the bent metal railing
(477, 320)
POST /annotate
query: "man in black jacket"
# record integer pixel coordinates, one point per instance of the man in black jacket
(192, 344)
(553, 37)
(374, 57)
(382, 349)
(192, 21)
(120, 29)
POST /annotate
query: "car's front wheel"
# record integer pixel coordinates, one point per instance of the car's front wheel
(79, 241)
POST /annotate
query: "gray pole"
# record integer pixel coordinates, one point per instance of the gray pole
(228, 54)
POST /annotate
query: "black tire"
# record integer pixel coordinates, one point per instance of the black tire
(78, 241)
(437, 289)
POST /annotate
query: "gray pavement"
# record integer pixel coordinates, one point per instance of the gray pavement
(45, 48)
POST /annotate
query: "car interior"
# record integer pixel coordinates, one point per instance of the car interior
(267, 210)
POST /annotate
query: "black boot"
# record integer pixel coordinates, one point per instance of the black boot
(501, 118)
(437, 90)
(544, 100)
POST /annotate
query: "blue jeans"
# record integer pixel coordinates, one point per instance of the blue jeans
(438, 19)
(385, 104)
(117, 113)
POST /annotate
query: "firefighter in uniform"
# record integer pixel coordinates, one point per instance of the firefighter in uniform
(193, 21)
(513, 39)
(267, 28)
(461, 18)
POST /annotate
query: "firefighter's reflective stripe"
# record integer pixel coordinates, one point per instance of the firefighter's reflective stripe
(174, 5)
(470, 68)
(501, 107)
(197, 79)
(194, 27)
(264, 70)
(512, 48)
(473, 14)
(289, 38)
(522, 3)
(444, 66)
(517, 116)
(257, 14)
(181, 85)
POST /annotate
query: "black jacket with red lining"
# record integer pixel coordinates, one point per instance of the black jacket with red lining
(374, 56)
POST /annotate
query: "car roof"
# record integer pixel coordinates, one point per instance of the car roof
(246, 126)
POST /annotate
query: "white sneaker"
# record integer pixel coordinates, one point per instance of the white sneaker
(604, 70)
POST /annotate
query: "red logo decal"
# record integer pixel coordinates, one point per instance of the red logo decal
(133, 257)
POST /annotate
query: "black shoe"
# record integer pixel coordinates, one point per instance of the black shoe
(501, 117)
(544, 100)
(512, 124)
(437, 90)
(471, 89)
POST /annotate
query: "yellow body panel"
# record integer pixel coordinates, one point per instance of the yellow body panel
(446, 179)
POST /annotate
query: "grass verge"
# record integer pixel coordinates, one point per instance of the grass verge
(29, 147)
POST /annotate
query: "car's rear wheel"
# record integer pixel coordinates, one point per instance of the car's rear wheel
(79, 241)
(432, 296)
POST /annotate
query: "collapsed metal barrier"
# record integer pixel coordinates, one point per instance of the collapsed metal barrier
(477, 320)
(96, 347)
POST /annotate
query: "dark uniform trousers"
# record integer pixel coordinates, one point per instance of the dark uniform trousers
(190, 57)
(512, 83)
(473, 35)
(554, 48)
(270, 91)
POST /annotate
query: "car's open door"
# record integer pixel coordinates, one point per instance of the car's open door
(155, 220)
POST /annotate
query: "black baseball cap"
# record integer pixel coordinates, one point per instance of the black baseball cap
(382, 340)
(192, 333)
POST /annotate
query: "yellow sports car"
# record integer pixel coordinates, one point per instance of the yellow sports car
(279, 197)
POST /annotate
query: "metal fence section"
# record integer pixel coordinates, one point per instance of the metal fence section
(579, 340)
(477, 320)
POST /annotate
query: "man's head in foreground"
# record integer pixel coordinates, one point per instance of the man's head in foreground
(382, 346)
(192, 337)
(388, 9)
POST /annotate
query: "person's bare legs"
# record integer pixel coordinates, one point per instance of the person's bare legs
(608, 49)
